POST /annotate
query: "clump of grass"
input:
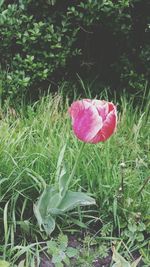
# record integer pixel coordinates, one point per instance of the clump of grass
(31, 139)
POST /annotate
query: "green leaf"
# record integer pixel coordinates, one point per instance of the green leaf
(115, 205)
(73, 199)
(25, 226)
(50, 204)
(52, 247)
(4, 263)
(49, 199)
(49, 224)
(79, 223)
(1, 2)
(61, 171)
(43, 201)
(59, 257)
(41, 209)
(47, 221)
(21, 263)
(132, 227)
(59, 264)
(140, 237)
(67, 261)
(71, 252)
(62, 181)
(135, 263)
(120, 261)
(59, 162)
(141, 227)
(63, 241)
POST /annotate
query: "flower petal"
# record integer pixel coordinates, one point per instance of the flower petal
(75, 108)
(108, 128)
(87, 123)
(102, 107)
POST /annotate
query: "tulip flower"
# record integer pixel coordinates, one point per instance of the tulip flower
(93, 121)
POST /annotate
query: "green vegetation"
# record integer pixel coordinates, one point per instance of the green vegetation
(115, 173)
(44, 47)
(46, 42)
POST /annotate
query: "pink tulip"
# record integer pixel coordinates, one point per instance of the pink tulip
(93, 121)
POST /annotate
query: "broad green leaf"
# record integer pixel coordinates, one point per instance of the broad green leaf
(47, 221)
(120, 261)
(73, 199)
(49, 224)
(41, 209)
(54, 212)
(4, 263)
(49, 205)
(48, 196)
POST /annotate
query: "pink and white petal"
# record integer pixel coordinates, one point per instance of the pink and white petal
(87, 103)
(77, 106)
(87, 100)
(98, 102)
(108, 128)
(87, 124)
(102, 107)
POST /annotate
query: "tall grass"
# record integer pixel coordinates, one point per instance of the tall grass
(113, 172)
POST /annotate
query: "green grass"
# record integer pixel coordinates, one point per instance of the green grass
(31, 140)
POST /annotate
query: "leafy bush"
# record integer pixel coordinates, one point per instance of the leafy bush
(42, 42)
(32, 50)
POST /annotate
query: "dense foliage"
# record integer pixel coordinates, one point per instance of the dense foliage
(43, 42)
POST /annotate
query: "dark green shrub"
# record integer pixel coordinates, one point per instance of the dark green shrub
(32, 50)
(44, 42)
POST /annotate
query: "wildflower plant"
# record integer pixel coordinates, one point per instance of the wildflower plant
(93, 121)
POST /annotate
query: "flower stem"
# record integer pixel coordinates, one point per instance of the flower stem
(74, 169)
